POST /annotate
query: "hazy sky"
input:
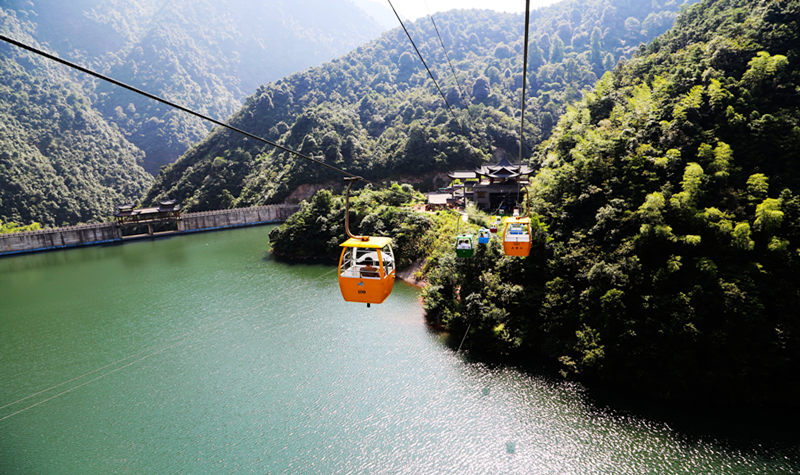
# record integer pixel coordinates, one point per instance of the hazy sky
(416, 8)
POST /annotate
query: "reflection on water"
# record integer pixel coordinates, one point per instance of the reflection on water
(198, 354)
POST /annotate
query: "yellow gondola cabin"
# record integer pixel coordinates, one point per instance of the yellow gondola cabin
(517, 236)
(366, 269)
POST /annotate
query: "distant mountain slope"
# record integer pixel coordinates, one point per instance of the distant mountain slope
(376, 112)
(207, 54)
(60, 161)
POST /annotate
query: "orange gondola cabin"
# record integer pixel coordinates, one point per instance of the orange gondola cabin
(366, 269)
(517, 236)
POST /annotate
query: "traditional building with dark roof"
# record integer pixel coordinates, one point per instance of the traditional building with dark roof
(495, 186)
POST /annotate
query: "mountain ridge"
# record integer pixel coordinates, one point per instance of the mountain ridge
(204, 54)
(195, 53)
(378, 102)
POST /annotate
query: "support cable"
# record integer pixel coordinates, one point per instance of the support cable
(424, 63)
(447, 56)
(350, 181)
(524, 78)
(172, 104)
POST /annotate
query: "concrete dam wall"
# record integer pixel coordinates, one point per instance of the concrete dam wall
(58, 238)
(102, 233)
(231, 218)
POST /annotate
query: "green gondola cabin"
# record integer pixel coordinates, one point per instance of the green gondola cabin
(465, 245)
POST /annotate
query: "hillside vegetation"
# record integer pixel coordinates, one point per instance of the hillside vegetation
(670, 217)
(376, 112)
(314, 233)
(73, 148)
(60, 161)
(205, 54)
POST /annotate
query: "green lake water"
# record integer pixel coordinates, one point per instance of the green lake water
(200, 354)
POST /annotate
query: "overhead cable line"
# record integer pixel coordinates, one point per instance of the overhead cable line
(424, 63)
(176, 106)
(524, 78)
(460, 89)
(447, 56)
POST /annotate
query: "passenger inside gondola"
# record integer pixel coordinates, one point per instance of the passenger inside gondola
(518, 232)
(367, 270)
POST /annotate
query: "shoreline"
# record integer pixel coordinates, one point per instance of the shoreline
(407, 275)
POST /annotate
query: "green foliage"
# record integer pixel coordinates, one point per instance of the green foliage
(651, 210)
(60, 162)
(764, 71)
(12, 227)
(757, 187)
(668, 269)
(740, 237)
(723, 155)
(768, 216)
(691, 185)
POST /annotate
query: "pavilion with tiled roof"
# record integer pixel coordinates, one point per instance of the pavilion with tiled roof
(495, 186)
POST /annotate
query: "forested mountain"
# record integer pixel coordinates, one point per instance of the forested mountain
(206, 54)
(375, 112)
(669, 202)
(61, 162)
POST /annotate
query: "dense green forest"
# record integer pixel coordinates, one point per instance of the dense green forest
(208, 55)
(73, 148)
(667, 223)
(60, 161)
(376, 112)
(670, 216)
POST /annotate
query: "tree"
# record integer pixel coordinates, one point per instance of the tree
(502, 51)
(480, 89)
(12, 227)
(596, 52)
(764, 71)
(406, 64)
(556, 50)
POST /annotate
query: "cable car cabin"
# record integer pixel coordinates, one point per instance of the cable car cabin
(366, 269)
(484, 236)
(517, 236)
(464, 247)
(493, 224)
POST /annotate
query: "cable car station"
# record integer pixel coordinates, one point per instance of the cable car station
(494, 186)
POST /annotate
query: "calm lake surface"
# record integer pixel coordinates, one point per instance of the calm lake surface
(200, 354)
